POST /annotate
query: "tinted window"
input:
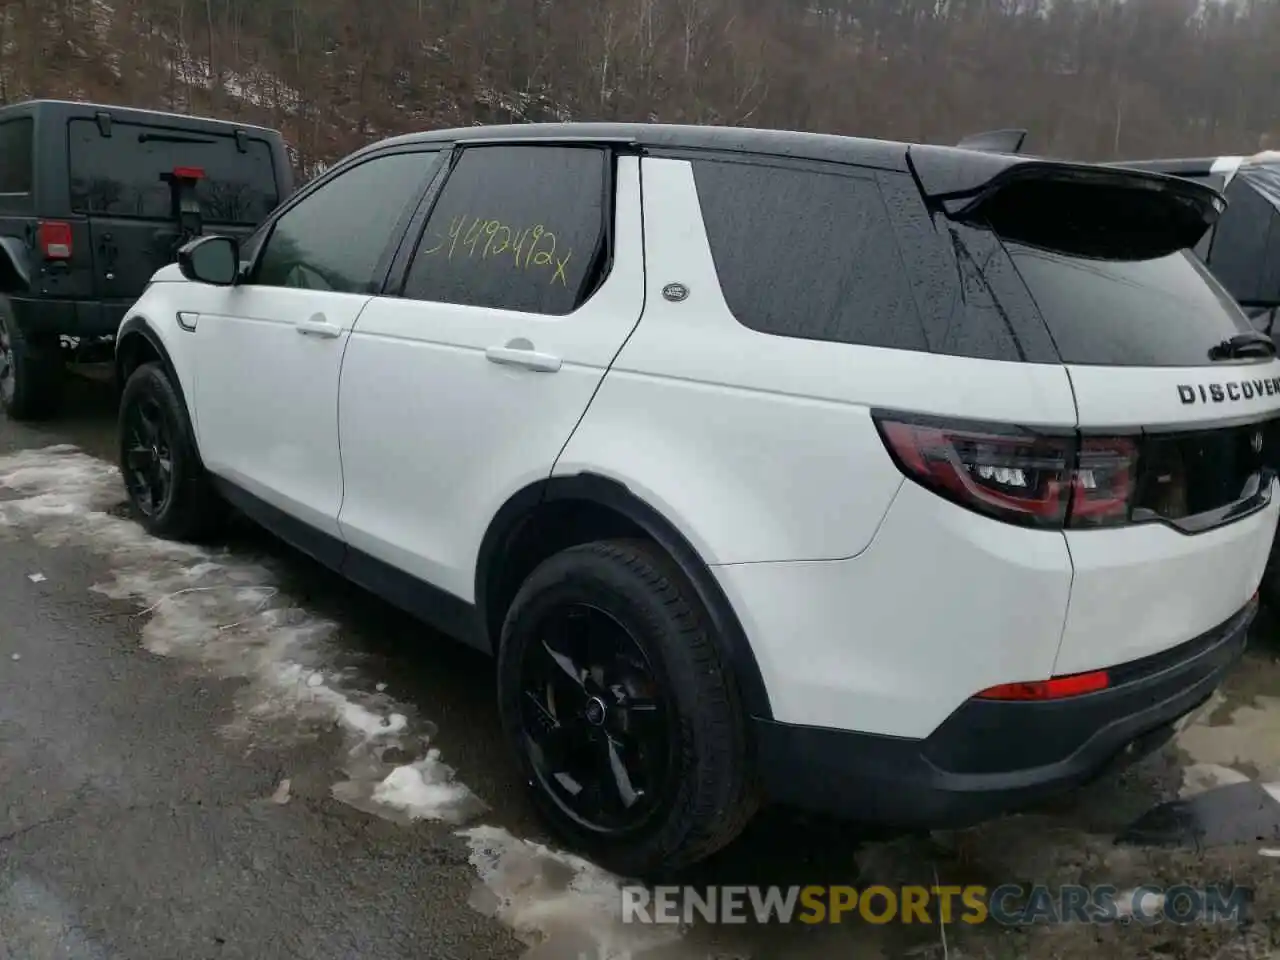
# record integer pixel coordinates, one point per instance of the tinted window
(1161, 312)
(15, 155)
(969, 297)
(120, 175)
(333, 238)
(1239, 256)
(515, 228)
(806, 254)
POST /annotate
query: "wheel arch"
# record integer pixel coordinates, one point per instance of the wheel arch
(553, 514)
(15, 276)
(137, 343)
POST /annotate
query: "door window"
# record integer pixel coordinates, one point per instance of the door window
(517, 228)
(334, 238)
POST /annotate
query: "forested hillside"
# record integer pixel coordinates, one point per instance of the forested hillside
(1090, 78)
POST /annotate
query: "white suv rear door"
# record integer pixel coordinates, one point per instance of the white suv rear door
(527, 278)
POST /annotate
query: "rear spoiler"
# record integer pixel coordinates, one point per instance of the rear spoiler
(1076, 208)
(995, 141)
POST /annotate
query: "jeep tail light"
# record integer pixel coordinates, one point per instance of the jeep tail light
(55, 239)
(1014, 475)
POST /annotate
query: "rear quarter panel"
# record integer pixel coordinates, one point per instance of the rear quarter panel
(762, 448)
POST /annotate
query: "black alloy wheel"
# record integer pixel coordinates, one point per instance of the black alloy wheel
(148, 456)
(597, 729)
(617, 703)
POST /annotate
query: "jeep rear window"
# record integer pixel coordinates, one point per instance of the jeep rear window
(119, 175)
(1161, 312)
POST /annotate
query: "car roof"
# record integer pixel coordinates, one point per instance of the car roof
(131, 114)
(661, 136)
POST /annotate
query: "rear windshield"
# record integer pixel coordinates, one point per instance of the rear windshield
(1162, 312)
(119, 175)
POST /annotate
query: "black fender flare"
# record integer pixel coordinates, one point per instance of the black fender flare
(15, 272)
(616, 496)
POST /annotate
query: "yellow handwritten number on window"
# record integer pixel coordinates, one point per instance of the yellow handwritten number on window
(532, 246)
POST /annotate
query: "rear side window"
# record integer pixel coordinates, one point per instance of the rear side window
(120, 175)
(808, 254)
(516, 228)
(15, 155)
(1165, 311)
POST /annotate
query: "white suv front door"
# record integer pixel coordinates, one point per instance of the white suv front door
(526, 281)
(270, 349)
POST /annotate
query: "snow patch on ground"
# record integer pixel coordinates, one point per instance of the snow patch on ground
(559, 904)
(219, 611)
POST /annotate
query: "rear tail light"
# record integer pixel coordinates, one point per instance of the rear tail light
(54, 238)
(1015, 475)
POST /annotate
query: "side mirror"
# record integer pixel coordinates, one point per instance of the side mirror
(212, 260)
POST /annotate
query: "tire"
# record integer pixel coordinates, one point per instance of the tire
(1269, 588)
(31, 374)
(703, 793)
(154, 430)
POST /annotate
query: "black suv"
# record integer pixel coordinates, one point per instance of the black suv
(93, 200)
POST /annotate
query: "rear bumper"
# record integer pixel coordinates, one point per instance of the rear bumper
(73, 318)
(989, 757)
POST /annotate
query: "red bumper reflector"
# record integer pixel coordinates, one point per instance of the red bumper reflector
(1056, 689)
(189, 173)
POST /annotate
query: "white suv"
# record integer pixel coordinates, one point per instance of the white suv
(912, 483)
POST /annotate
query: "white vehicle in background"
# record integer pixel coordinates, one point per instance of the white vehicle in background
(912, 483)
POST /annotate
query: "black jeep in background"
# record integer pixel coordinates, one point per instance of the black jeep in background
(93, 200)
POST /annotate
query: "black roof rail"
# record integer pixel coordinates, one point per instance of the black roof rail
(995, 141)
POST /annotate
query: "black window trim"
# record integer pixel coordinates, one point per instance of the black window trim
(31, 158)
(762, 159)
(398, 274)
(396, 238)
